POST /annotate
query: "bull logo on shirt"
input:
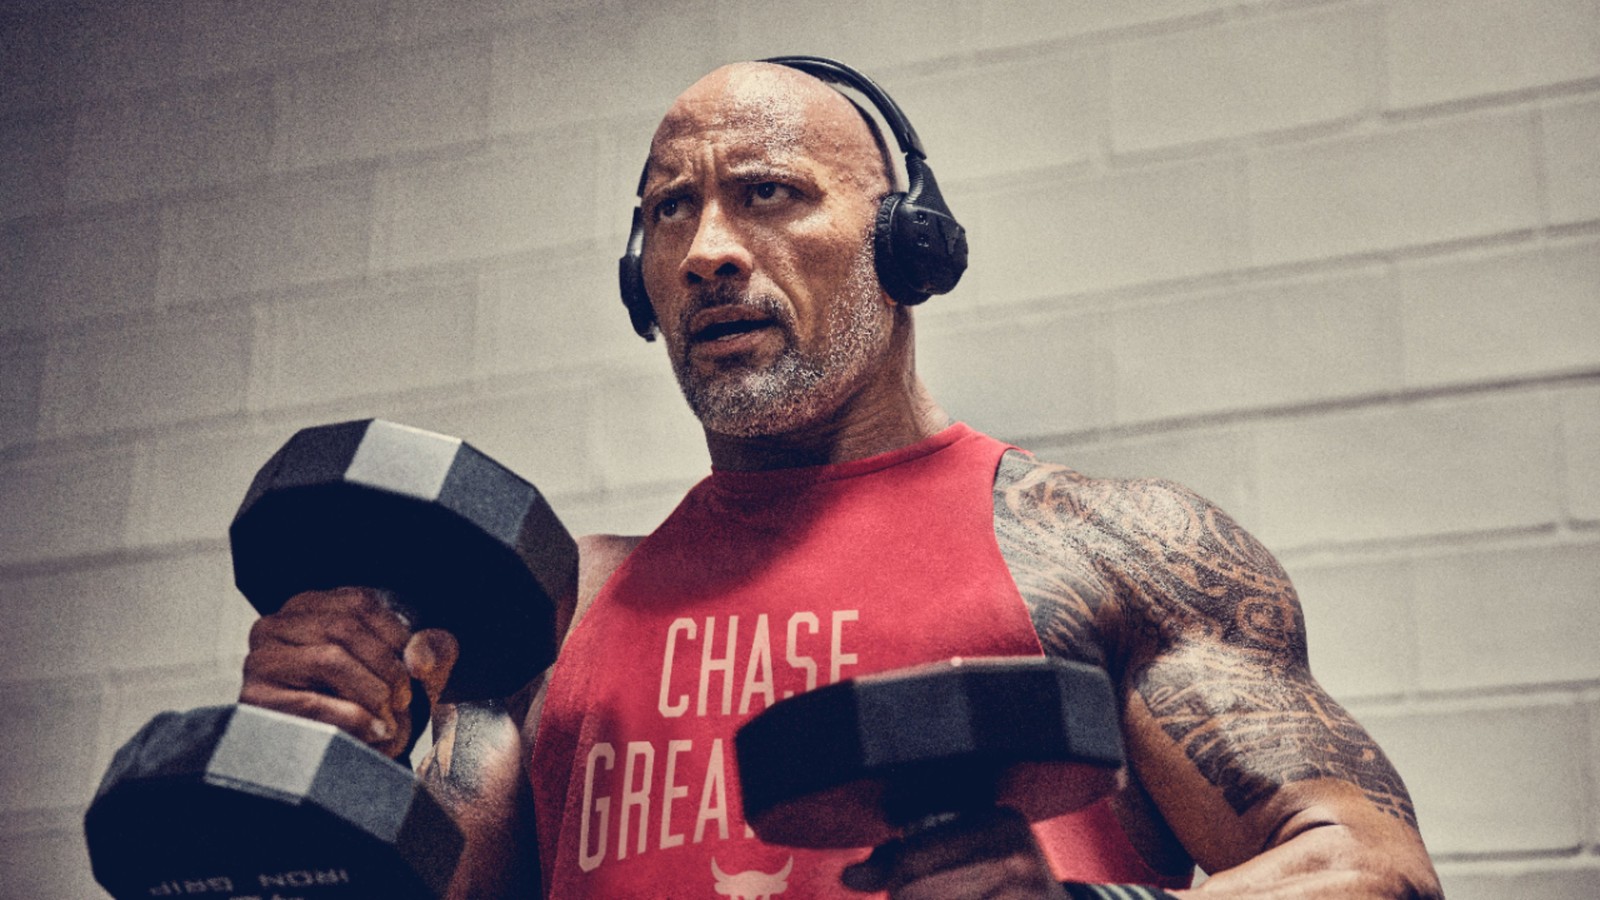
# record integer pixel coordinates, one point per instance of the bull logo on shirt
(754, 884)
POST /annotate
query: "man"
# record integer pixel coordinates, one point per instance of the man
(848, 528)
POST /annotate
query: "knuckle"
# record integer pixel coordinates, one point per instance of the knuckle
(361, 599)
(344, 630)
(327, 658)
(264, 667)
(303, 602)
(263, 631)
(317, 708)
(255, 695)
(252, 667)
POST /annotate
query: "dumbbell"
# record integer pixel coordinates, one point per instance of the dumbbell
(863, 761)
(238, 801)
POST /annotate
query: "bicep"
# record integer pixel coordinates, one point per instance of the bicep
(1241, 755)
(1245, 756)
(476, 767)
(1238, 743)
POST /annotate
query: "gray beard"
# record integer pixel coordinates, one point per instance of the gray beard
(798, 388)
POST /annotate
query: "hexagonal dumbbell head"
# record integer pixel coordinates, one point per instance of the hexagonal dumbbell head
(464, 543)
(854, 763)
(236, 801)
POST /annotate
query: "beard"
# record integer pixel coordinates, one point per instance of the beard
(799, 387)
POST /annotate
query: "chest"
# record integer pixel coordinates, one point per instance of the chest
(682, 646)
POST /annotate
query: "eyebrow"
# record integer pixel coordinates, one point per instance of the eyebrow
(744, 173)
(754, 172)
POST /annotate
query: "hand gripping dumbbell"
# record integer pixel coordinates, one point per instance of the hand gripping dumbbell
(866, 761)
(237, 801)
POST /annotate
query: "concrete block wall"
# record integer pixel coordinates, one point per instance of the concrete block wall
(1333, 263)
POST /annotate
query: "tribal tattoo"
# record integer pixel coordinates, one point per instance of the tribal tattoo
(1186, 609)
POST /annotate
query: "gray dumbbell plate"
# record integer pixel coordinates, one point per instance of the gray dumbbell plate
(466, 544)
(239, 801)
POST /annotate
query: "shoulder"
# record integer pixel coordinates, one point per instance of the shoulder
(1167, 561)
(1030, 489)
(599, 555)
(1108, 518)
(1151, 517)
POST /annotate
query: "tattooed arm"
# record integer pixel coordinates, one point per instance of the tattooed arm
(1233, 746)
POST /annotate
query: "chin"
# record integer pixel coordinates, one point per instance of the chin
(744, 421)
(760, 406)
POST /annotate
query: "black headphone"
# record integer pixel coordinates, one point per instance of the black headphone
(918, 246)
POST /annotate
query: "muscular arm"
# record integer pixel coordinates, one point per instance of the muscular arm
(476, 768)
(478, 762)
(1264, 779)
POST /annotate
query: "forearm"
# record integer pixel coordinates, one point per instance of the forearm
(1332, 861)
(475, 768)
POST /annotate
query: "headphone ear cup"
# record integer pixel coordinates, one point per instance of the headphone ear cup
(886, 254)
(919, 250)
(630, 279)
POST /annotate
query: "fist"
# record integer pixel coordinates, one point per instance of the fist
(345, 658)
(991, 854)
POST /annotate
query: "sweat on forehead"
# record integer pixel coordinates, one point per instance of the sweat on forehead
(780, 108)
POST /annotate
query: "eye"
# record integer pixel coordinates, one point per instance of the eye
(670, 209)
(770, 193)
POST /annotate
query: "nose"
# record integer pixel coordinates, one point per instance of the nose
(718, 250)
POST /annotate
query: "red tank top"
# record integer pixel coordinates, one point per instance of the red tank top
(757, 587)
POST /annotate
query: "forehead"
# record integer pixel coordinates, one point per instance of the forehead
(763, 112)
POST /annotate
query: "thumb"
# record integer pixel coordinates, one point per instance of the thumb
(430, 656)
(876, 872)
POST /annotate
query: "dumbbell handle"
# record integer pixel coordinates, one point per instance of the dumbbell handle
(1078, 891)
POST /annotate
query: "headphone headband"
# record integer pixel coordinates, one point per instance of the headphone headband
(835, 72)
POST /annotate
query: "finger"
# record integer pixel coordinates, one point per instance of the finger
(989, 854)
(874, 873)
(430, 657)
(308, 625)
(381, 615)
(991, 834)
(325, 669)
(351, 718)
(1014, 877)
(361, 603)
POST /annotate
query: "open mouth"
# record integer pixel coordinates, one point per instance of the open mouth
(728, 323)
(720, 330)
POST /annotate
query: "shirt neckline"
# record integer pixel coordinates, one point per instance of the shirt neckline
(766, 480)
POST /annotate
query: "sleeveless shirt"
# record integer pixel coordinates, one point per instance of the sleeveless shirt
(758, 586)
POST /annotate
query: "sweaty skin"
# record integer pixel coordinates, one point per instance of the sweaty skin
(760, 191)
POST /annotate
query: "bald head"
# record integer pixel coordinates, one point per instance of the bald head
(783, 111)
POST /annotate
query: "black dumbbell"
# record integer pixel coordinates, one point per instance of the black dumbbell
(863, 761)
(236, 801)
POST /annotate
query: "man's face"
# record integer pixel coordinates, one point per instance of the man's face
(758, 258)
